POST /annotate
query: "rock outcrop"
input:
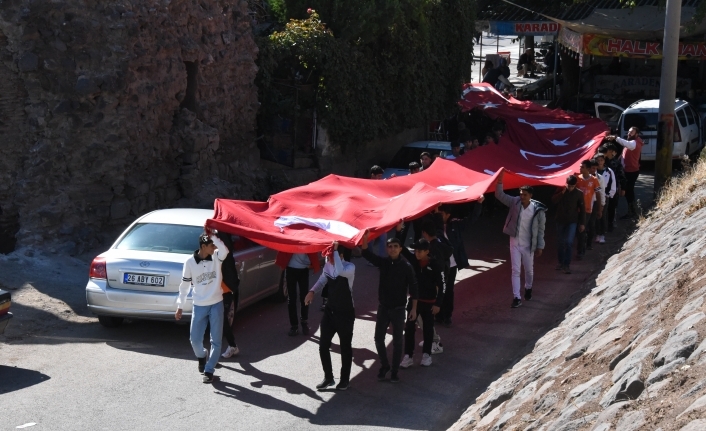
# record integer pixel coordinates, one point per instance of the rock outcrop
(109, 109)
(632, 354)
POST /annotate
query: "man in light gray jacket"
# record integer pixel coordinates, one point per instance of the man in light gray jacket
(525, 226)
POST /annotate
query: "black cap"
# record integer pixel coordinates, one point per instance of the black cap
(394, 241)
(205, 240)
(421, 244)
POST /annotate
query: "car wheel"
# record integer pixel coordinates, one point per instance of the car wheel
(282, 292)
(110, 322)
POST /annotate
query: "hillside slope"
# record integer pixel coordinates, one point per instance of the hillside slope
(631, 355)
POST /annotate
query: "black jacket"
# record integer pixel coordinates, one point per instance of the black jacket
(397, 279)
(430, 278)
(569, 206)
(616, 165)
(454, 233)
(228, 269)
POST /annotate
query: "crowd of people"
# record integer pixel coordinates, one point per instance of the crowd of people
(415, 288)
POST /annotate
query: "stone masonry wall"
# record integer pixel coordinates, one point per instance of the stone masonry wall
(631, 356)
(110, 109)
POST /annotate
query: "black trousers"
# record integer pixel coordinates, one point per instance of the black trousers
(424, 311)
(342, 324)
(591, 227)
(612, 208)
(229, 298)
(390, 316)
(631, 178)
(447, 306)
(583, 236)
(297, 282)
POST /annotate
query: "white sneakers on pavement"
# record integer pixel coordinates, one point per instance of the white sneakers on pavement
(601, 239)
(426, 360)
(406, 362)
(231, 351)
(436, 347)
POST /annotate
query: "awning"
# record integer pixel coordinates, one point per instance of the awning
(611, 46)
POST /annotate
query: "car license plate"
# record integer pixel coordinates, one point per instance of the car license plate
(143, 280)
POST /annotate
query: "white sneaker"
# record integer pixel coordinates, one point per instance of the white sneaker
(602, 239)
(231, 351)
(406, 362)
(437, 348)
(598, 238)
(426, 360)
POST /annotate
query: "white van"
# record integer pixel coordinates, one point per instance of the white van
(644, 114)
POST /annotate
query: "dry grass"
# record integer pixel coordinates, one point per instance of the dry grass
(681, 189)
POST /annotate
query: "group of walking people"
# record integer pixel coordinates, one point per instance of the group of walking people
(415, 288)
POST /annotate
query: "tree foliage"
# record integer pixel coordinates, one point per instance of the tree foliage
(379, 66)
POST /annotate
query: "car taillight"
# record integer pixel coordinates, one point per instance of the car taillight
(677, 134)
(98, 269)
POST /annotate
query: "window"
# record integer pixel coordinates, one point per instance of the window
(646, 122)
(166, 238)
(241, 243)
(682, 117)
(690, 115)
(406, 155)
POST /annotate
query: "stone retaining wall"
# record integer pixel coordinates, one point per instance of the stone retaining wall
(110, 109)
(632, 354)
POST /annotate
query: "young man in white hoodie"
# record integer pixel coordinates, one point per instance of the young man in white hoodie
(203, 272)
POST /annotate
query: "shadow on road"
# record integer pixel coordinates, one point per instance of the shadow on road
(255, 398)
(13, 378)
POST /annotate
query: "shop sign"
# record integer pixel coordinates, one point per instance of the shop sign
(606, 46)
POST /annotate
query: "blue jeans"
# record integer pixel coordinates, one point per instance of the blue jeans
(565, 234)
(200, 317)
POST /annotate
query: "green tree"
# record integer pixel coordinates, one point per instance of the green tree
(379, 66)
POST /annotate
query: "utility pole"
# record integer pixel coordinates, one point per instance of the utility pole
(667, 94)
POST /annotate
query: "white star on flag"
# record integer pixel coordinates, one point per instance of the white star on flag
(552, 166)
(557, 143)
(487, 105)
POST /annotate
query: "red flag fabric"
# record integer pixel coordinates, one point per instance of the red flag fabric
(540, 146)
(307, 219)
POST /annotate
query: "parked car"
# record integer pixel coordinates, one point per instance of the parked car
(5, 315)
(139, 275)
(399, 165)
(688, 130)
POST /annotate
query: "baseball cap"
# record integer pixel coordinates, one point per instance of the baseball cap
(394, 241)
(421, 244)
(205, 240)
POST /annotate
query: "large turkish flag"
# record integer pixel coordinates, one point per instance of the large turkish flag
(540, 146)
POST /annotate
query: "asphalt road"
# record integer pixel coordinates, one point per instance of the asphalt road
(62, 370)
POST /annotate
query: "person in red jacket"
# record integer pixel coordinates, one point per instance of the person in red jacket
(631, 155)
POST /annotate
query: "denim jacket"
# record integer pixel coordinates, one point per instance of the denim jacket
(512, 222)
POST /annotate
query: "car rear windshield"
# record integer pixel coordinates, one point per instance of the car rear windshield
(167, 238)
(646, 122)
(406, 155)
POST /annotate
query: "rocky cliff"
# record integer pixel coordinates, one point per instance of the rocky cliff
(632, 354)
(109, 109)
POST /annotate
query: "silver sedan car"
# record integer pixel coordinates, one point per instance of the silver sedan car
(139, 276)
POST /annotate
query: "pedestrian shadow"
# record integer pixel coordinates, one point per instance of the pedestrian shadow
(273, 380)
(264, 401)
(13, 378)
